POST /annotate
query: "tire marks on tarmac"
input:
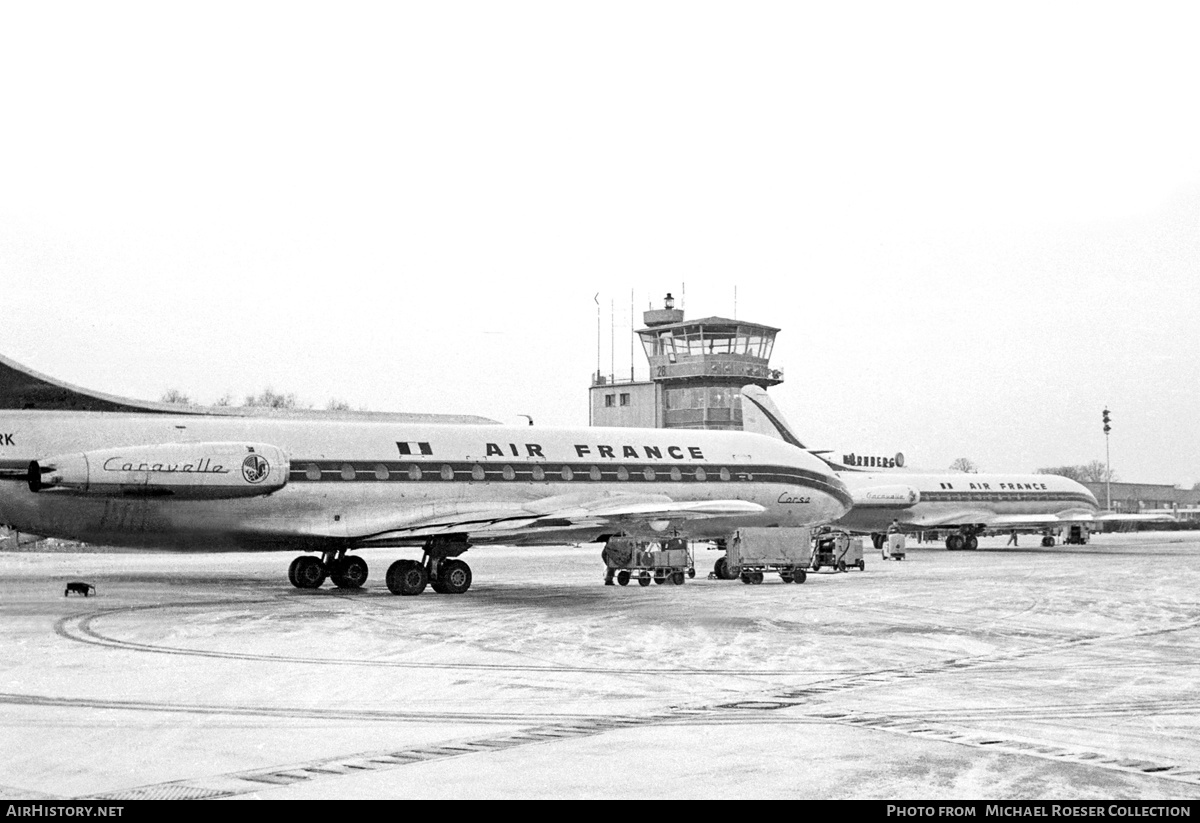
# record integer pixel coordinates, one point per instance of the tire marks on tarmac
(783, 704)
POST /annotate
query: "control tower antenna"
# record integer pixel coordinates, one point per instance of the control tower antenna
(631, 335)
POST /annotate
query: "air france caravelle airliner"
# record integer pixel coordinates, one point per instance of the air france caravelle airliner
(967, 503)
(85, 466)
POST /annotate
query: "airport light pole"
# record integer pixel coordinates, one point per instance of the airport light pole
(1107, 465)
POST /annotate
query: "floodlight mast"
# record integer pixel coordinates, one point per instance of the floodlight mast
(1107, 463)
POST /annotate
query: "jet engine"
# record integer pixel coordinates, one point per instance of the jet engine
(192, 471)
(889, 497)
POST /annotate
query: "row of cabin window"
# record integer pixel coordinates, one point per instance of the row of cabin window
(348, 472)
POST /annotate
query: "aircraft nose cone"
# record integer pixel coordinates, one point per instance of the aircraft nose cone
(840, 494)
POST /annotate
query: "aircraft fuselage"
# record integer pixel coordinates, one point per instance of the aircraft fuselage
(357, 483)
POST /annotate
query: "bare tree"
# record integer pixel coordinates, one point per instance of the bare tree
(176, 396)
(964, 464)
(1097, 472)
(337, 405)
(271, 399)
(1072, 472)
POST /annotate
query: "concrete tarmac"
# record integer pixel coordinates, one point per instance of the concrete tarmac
(1008, 674)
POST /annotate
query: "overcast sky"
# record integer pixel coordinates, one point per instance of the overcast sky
(976, 224)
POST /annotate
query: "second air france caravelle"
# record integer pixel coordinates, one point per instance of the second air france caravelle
(85, 466)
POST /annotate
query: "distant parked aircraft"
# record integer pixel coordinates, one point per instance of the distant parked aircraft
(967, 504)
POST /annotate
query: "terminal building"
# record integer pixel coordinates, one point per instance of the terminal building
(1149, 498)
(697, 368)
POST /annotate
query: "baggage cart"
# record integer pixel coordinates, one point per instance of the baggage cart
(627, 559)
(754, 552)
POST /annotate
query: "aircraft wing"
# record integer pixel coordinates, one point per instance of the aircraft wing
(1113, 517)
(956, 518)
(1002, 521)
(562, 512)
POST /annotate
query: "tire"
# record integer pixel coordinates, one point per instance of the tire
(719, 568)
(454, 576)
(691, 572)
(972, 543)
(292, 572)
(862, 566)
(816, 567)
(644, 579)
(732, 572)
(756, 578)
(678, 577)
(310, 572)
(841, 565)
(407, 577)
(351, 573)
(659, 578)
(623, 577)
(745, 578)
(799, 576)
(786, 577)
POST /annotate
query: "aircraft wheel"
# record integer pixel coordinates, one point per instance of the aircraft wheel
(407, 577)
(841, 565)
(732, 572)
(351, 573)
(798, 576)
(623, 577)
(644, 579)
(292, 572)
(310, 572)
(719, 568)
(678, 577)
(454, 576)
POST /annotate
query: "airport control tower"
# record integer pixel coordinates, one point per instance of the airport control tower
(697, 368)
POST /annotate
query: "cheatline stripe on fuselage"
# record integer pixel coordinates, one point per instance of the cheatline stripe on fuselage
(574, 472)
(1007, 497)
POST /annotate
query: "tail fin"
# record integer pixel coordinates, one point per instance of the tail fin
(760, 415)
(23, 388)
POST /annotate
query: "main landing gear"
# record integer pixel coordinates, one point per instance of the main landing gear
(347, 572)
(966, 539)
(439, 568)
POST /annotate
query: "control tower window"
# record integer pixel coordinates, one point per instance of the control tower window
(624, 398)
(608, 400)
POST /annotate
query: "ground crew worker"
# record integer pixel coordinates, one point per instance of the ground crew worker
(1012, 538)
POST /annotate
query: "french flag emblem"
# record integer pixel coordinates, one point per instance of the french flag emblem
(410, 448)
